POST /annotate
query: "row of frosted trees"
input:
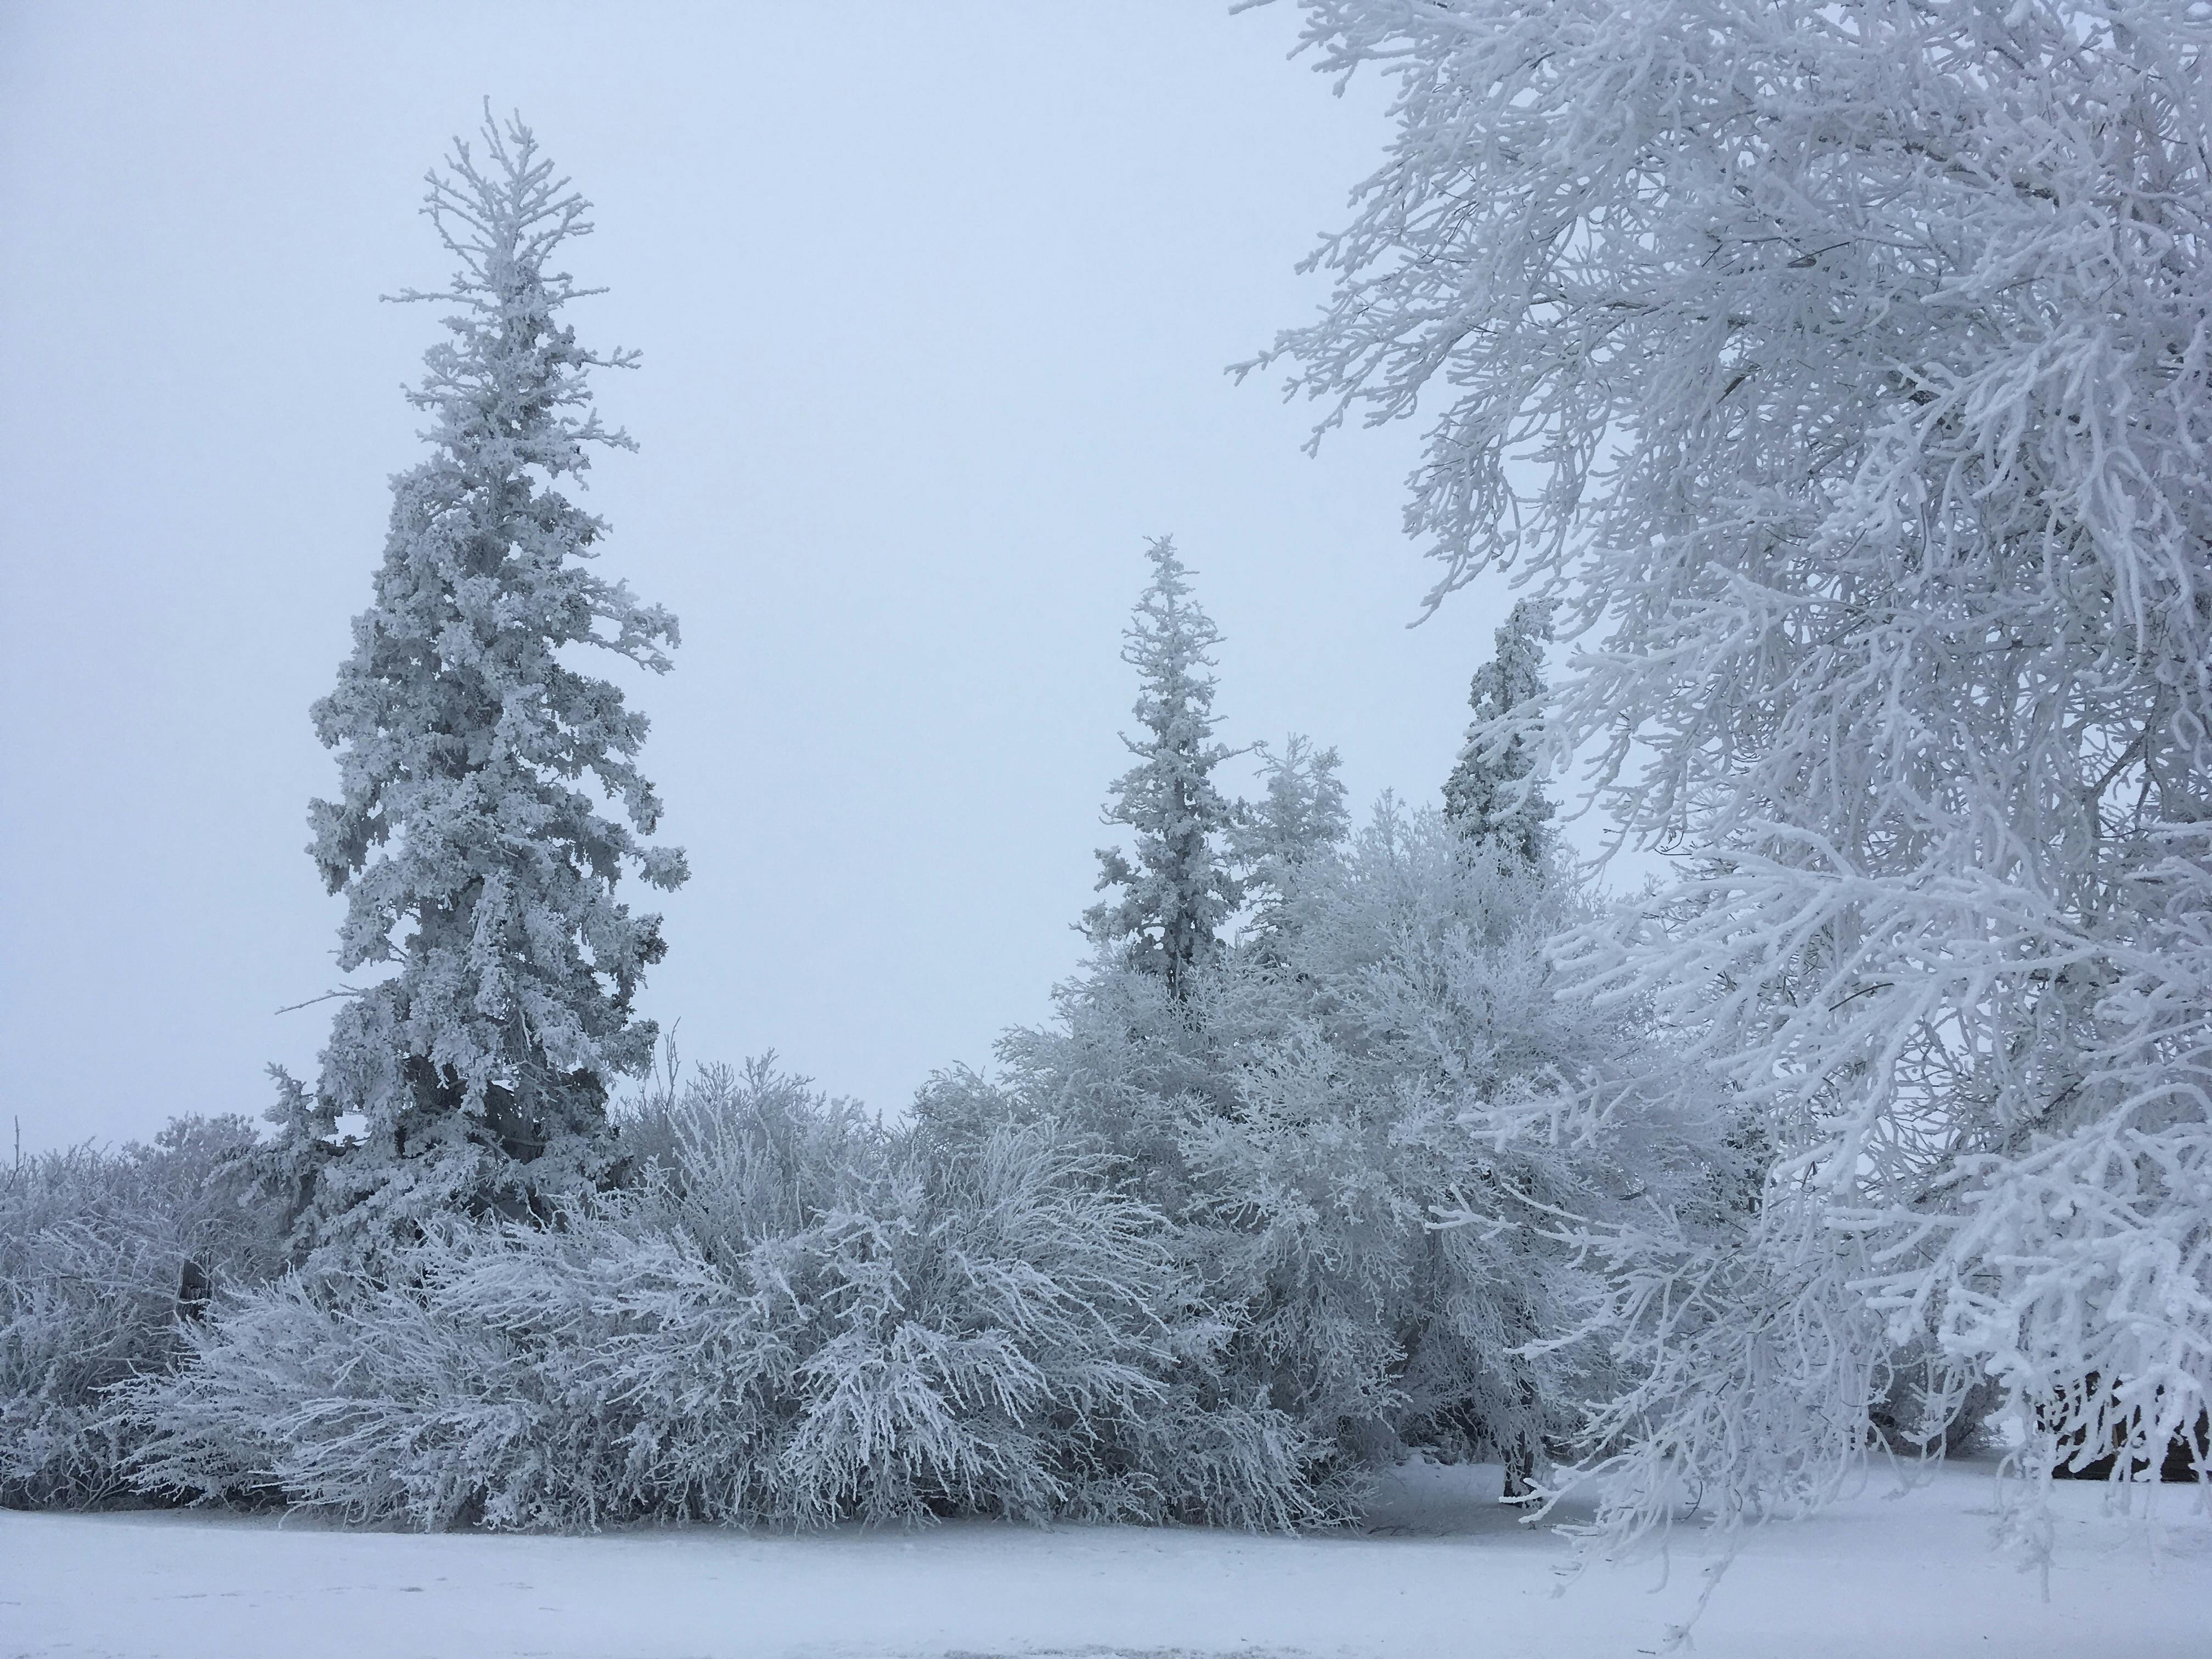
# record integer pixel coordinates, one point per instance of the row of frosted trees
(1177, 1258)
(1834, 379)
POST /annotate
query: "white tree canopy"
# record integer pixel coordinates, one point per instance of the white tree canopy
(1861, 355)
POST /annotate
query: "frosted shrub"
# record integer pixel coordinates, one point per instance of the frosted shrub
(523, 1378)
(1125, 1065)
(1351, 1122)
(1404, 1068)
(735, 1160)
(792, 1317)
(103, 1256)
(1015, 1337)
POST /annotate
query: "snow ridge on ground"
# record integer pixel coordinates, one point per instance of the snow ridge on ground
(1443, 1570)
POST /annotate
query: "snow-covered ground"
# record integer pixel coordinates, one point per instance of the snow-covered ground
(1445, 1573)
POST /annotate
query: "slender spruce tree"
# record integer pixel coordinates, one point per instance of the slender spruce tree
(1173, 898)
(470, 837)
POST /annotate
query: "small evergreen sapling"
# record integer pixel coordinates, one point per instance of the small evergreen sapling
(477, 865)
(1178, 892)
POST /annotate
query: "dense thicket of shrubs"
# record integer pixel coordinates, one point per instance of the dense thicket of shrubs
(107, 1261)
(1345, 1120)
(790, 1315)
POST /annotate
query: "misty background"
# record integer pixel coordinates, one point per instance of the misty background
(934, 305)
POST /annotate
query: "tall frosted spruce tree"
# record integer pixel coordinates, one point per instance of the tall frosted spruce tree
(1174, 898)
(1856, 356)
(468, 838)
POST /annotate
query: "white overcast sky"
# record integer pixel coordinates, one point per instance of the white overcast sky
(934, 302)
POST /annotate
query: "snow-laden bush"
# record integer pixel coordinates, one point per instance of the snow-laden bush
(1351, 1121)
(1397, 1161)
(104, 1257)
(1393, 1074)
(792, 1316)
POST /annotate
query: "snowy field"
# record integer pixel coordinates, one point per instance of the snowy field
(1444, 1574)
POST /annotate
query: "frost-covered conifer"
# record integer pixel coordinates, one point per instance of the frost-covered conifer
(1176, 893)
(479, 867)
(1299, 817)
(1857, 355)
(1492, 797)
